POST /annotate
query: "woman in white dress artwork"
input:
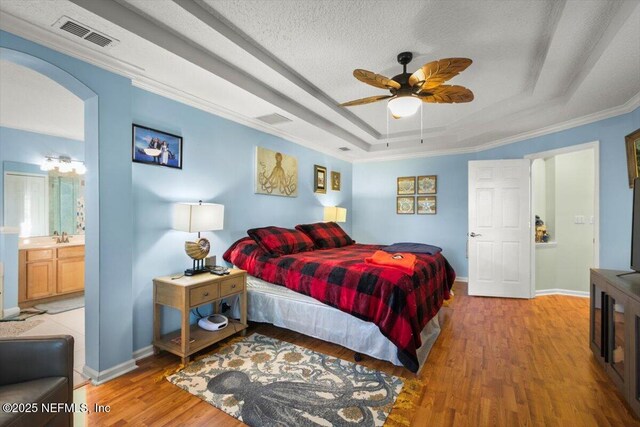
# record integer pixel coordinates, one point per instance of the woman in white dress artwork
(164, 153)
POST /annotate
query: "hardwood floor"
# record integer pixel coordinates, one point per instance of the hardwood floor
(497, 362)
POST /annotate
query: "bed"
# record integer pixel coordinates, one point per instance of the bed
(334, 295)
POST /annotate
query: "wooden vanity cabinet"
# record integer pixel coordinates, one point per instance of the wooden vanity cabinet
(49, 273)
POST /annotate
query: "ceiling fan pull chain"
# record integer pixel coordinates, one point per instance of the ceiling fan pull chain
(387, 114)
(421, 127)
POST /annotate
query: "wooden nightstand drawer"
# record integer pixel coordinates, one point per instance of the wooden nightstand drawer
(204, 294)
(231, 286)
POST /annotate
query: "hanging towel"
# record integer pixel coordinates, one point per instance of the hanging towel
(404, 262)
(416, 248)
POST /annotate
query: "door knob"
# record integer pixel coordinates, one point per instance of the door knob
(472, 234)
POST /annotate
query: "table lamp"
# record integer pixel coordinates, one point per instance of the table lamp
(335, 214)
(196, 218)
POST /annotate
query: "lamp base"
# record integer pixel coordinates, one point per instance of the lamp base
(194, 271)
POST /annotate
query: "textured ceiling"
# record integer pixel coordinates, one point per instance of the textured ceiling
(32, 102)
(534, 66)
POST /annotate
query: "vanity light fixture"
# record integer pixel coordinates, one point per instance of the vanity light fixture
(63, 164)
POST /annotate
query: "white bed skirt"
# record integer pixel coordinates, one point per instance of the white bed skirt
(269, 303)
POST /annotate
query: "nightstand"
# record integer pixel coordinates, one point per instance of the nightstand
(187, 293)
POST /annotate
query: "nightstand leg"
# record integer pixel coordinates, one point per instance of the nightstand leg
(185, 334)
(157, 321)
(243, 311)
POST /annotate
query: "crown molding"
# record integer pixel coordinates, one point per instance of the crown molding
(627, 107)
(196, 102)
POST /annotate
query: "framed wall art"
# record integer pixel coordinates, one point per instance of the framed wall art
(335, 181)
(406, 185)
(633, 155)
(405, 205)
(427, 205)
(427, 184)
(276, 173)
(319, 179)
(155, 147)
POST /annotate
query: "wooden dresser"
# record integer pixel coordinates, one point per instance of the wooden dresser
(49, 273)
(614, 329)
(186, 293)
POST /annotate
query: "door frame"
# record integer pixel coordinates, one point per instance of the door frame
(595, 146)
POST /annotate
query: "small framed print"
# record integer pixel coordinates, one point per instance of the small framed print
(406, 185)
(155, 147)
(428, 184)
(335, 181)
(427, 205)
(405, 205)
(319, 179)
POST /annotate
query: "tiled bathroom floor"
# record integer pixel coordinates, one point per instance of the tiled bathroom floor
(66, 323)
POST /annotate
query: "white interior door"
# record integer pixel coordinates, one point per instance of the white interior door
(499, 228)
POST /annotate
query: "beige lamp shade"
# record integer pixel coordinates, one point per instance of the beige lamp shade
(335, 214)
(197, 217)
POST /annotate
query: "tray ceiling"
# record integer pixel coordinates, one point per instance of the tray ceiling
(534, 68)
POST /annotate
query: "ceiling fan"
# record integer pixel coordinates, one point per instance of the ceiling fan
(409, 90)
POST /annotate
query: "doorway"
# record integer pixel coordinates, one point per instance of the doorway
(565, 206)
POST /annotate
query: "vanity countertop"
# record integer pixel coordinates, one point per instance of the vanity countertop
(48, 242)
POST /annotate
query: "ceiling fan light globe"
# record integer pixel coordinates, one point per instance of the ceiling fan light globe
(404, 106)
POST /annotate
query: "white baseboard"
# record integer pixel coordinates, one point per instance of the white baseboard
(102, 377)
(8, 313)
(143, 352)
(462, 279)
(582, 294)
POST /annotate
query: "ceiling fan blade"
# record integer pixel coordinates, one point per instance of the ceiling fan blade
(433, 74)
(375, 80)
(367, 100)
(447, 94)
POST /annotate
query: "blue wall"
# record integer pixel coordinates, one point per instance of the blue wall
(218, 167)
(374, 200)
(107, 96)
(374, 193)
(31, 148)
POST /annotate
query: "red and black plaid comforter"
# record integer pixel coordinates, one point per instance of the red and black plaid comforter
(399, 304)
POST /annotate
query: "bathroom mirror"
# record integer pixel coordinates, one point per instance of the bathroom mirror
(40, 203)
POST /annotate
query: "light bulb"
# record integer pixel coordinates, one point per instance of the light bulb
(47, 165)
(65, 167)
(404, 106)
(80, 168)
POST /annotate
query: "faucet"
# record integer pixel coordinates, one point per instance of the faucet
(64, 238)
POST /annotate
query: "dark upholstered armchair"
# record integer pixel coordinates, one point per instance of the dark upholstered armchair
(36, 370)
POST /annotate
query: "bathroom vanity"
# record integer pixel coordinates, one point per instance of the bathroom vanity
(49, 270)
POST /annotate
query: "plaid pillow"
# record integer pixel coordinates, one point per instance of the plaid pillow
(281, 241)
(326, 235)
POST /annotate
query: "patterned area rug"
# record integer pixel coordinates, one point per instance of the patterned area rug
(14, 329)
(264, 381)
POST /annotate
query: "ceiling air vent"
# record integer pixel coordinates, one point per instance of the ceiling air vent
(98, 39)
(75, 29)
(84, 32)
(273, 119)
(344, 149)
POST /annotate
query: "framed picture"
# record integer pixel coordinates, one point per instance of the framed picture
(633, 155)
(405, 205)
(319, 179)
(428, 184)
(335, 181)
(276, 173)
(406, 185)
(427, 205)
(154, 147)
